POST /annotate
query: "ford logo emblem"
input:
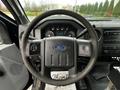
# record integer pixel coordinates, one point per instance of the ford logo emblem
(60, 47)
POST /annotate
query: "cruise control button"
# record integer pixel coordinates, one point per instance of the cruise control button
(34, 48)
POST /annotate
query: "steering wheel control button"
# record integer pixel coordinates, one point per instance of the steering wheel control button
(34, 48)
(84, 50)
(59, 75)
(59, 52)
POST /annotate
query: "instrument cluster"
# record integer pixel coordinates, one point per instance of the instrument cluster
(60, 28)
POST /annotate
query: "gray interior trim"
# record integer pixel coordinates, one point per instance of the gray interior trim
(4, 36)
(14, 74)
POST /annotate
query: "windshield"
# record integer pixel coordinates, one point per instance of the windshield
(93, 9)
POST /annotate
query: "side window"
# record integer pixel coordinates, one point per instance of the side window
(4, 37)
(5, 10)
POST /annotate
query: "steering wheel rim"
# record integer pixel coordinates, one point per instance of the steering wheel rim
(79, 75)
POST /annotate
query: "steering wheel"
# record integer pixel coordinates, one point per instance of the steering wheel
(59, 53)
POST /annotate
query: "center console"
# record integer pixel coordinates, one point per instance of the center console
(111, 42)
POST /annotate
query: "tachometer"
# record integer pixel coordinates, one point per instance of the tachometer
(49, 34)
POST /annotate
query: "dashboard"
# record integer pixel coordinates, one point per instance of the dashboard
(108, 33)
(111, 42)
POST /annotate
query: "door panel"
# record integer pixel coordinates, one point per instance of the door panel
(13, 73)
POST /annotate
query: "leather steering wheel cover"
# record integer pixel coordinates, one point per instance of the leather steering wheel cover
(79, 75)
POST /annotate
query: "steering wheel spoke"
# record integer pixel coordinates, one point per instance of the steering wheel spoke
(82, 33)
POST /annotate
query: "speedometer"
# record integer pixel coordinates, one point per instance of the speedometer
(70, 34)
